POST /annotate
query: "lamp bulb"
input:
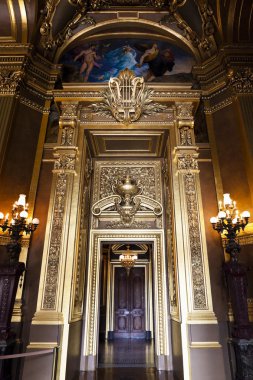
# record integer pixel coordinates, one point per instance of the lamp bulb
(21, 200)
(1, 215)
(24, 214)
(234, 221)
(227, 200)
(222, 215)
(214, 220)
(245, 214)
(35, 221)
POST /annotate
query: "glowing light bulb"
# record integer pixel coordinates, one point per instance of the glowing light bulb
(214, 220)
(21, 200)
(227, 200)
(35, 221)
(1, 215)
(24, 214)
(245, 214)
(222, 215)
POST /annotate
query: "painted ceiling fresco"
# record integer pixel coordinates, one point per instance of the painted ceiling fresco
(156, 61)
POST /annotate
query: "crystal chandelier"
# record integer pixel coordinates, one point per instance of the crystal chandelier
(128, 259)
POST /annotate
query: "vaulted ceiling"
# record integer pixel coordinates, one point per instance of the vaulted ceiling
(199, 26)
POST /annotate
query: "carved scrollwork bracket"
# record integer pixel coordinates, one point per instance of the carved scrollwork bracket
(127, 214)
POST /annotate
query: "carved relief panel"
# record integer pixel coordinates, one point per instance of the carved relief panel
(106, 176)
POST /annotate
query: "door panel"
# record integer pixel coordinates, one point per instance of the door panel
(129, 308)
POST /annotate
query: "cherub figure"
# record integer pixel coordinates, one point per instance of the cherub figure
(89, 61)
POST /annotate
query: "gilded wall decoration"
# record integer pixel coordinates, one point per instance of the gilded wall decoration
(65, 162)
(51, 282)
(9, 81)
(198, 279)
(185, 135)
(135, 224)
(79, 278)
(146, 175)
(184, 110)
(67, 135)
(127, 99)
(187, 162)
(241, 79)
(69, 110)
(109, 173)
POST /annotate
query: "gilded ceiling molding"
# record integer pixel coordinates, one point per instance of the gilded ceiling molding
(205, 43)
(48, 41)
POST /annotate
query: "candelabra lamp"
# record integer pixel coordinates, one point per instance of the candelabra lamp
(11, 272)
(230, 222)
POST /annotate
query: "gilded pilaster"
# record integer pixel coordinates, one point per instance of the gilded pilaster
(60, 249)
(199, 301)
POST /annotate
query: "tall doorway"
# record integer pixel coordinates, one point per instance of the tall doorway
(126, 314)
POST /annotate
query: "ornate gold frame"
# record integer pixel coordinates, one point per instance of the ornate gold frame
(163, 355)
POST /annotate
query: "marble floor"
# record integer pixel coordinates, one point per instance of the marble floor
(125, 353)
(126, 359)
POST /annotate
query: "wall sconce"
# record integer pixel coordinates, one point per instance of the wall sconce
(17, 226)
(230, 223)
(10, 274)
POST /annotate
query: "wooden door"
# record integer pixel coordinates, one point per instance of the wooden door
(129, 303)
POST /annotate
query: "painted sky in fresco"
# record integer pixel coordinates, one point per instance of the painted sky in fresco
(157, 61)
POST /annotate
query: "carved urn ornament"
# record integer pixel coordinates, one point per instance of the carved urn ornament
(127, 205)
(127, 200)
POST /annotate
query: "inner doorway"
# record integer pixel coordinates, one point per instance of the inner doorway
(129, 303)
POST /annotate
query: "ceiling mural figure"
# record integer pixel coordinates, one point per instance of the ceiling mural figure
(154, 60)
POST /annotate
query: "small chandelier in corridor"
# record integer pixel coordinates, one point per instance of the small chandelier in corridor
(127, 259)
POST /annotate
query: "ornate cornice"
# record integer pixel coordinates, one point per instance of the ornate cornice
(37, 107)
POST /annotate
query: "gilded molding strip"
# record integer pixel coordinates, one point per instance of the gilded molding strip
(23, 19)
(51, 281)
(219, 106)
(205, 345)
(198, 280)
(35, 106)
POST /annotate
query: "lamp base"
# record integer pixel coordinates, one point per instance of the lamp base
(244, 358)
